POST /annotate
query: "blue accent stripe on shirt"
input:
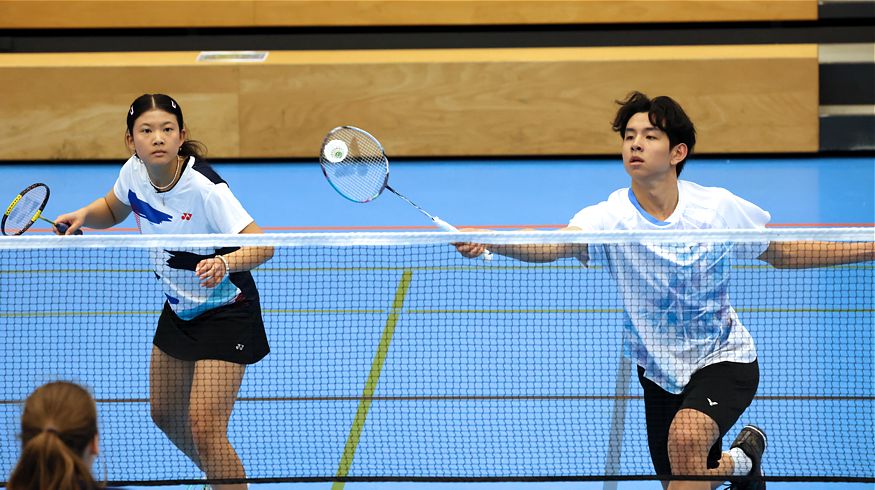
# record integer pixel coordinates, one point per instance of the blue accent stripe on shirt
(644, 213)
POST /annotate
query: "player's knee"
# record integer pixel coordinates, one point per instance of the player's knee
(206, 431)
(166, 419)
(688, 452)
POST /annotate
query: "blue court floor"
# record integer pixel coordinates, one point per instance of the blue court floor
(294, 197)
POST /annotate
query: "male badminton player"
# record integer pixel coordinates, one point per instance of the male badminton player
(697, 363)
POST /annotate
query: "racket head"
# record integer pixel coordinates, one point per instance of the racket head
(354, 163)
(25, 209)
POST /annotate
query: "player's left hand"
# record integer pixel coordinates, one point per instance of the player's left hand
(210, 272)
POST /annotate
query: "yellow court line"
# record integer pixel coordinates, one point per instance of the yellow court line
(361, 415)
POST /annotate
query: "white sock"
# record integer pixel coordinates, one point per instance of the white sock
(741, 463)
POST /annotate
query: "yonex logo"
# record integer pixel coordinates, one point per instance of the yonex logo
(186, 216)
(239, 347)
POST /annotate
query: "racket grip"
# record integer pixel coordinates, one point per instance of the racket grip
(486, 255)
(443, 224)
(63, 228)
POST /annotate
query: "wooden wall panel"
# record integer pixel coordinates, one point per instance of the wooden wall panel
(85, 14)
(452, 12)
(72, 106)
(531, 101)
(27, 14)
(432, 103)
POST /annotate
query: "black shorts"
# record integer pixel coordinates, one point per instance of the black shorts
(722, 391)
(233, 333)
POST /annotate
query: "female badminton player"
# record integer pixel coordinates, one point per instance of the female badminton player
(211, 325)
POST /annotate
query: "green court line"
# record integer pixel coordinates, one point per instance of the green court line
(51, 314)
(323, 311)
(805, 310)
(479, 268)
(74, 271)
(832, 267)
(523, 311)
(473, 268)
(536, 311)
(361, 415)
(512, 311)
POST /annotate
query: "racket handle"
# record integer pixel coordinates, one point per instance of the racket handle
(443, 224)
(63, 229)
(486, 255)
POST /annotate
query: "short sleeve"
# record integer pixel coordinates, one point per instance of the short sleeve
(591, 218)
(741, 214)
(224, 211)
(123, 183)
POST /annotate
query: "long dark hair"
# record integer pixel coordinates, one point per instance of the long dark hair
(148, 102)
(58, 424)
(664, 113)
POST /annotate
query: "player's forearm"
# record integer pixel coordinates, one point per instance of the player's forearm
(248, 258)
(99, 215)
(800, 255)
(538, 253)
(534, 252)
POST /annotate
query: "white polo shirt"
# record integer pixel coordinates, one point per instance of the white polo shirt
(676, 295)
(200, 202)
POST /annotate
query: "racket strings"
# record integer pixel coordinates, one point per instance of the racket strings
(362, 173)
(22, 214)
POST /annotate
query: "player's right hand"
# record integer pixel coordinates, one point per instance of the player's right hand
(73, 221)
(470, 250)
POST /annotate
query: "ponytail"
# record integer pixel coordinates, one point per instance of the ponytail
(47, 463)
(193, 148)
(58, 425)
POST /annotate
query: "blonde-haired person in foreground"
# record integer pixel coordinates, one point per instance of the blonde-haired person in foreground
(58, 440)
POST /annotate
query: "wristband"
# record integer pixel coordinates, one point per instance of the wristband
(225, 261)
